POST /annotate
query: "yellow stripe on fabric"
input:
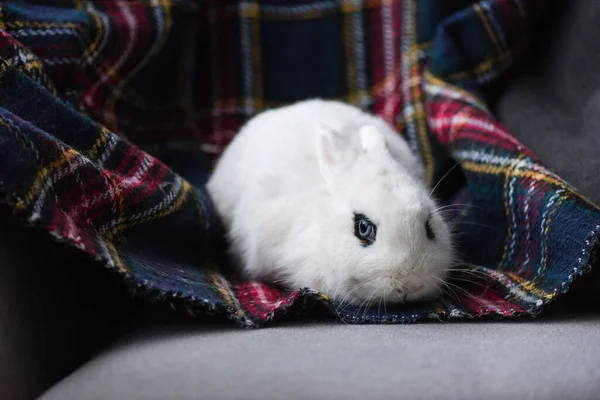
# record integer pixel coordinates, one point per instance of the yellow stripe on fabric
(379, 86)
(487, 27)
(396, 70)
(250, 11)
(92, 154)
(220, 287)
(2, 22)
(93, 46)
(67, 156)
(551, 214)
(167, 7)
(111, 74)
(521, 173)
(5, 124)
(216, 281)
(120, 200)
(351, 7)
(440, 310)
(495, 170)
(437, 81)
(104, 135)
(79, 4)
(530, 286)
(42, 25)
(3, 68)
(485, 66)
(508, 172)
(546, 232)
(353, 98)
(420, 117)
(26, 67)
(115, 255)
(36, 66)
(184, 193)
(44, 174)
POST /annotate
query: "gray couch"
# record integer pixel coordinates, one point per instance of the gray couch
(62, 334)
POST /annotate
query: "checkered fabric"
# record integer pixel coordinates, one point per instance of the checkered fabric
(112, 113)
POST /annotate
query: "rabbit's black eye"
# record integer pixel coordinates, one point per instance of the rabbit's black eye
(428, 230)
(364, 229)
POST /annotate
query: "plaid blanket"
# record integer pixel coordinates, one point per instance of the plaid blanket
(113, 112)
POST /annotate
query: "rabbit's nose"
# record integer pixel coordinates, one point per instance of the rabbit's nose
(409, 289)
(406, 285)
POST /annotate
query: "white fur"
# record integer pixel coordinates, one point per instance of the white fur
(287, 188)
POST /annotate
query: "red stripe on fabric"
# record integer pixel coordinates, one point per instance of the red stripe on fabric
(129, 154)
(121, 34)
(284, 302)
(248, 301)
(261, 299)
(144, 38)
(447, 132)
(140, 47)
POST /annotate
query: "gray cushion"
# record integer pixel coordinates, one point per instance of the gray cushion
(547, 360)
(553, 106)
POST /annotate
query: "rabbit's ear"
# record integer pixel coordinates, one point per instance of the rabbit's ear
(333, 152)
(373, 142)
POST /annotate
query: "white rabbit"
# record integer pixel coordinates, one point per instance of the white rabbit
(320, 194)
